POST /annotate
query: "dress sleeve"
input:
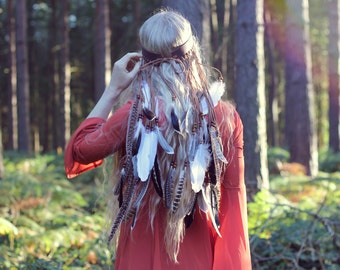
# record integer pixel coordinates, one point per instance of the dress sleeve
(232, 249)
(94, 140)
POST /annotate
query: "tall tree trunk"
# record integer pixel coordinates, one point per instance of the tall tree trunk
(198, 13)
(231, 36)
(219, 13)
(102, 55)
(12, 86)
(50, 129)
(272, 87)
(65, 76)
(299, 107)
(333, 73)
(250, 92)
(24, 138)
(2, 167)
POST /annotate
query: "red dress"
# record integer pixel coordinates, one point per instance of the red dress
(142, 248)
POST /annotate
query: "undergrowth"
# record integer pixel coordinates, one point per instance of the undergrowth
(49, 222)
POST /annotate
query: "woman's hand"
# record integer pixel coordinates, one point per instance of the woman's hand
(124, 70)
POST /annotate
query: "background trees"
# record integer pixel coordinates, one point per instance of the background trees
(68, 59)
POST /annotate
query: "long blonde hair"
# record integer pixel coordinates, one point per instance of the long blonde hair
(177, 86)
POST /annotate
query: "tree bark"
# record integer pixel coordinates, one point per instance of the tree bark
(12, 86)
(333, 73)
(24, 137)
(250, 92)
(65, 77)
(102, 55)
(299, 96)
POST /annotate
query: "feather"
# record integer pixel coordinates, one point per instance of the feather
(214, 205)
(216, 91)
(141, 194)
(205, 206)
(123, 209)
(156, 178)
(163, 143)
(198, 166)
(179, 189)
(168, 185)
(149, 114)
(216, 144)
(204, 106)
(175, 121)
(189, 218)
(146, 93)
(132, 121)
(146, 154)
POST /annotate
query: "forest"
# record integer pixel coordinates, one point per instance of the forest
(280, 61)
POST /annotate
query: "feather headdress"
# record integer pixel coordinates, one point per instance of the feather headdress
(182, 154)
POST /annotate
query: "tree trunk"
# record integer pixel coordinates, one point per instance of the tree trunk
(231, 36)
(24, 138)
(333, 73)
(12, 86)
(2, 167)
(299, 107)
(250, 92)
(273, 118)
(65, 77)
(102, 55)
(198, 13)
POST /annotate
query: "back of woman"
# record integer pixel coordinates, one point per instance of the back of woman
(178, 199)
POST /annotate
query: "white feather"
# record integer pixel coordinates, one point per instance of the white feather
(146, 94)
(216, 91)
(139, 128)
(199, 166)
(163, 142)
(207, 208)
(204, 106)
(146, 154)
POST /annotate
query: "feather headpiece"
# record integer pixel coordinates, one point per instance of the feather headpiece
(182, 155)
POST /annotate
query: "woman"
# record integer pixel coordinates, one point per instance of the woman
(178, 199)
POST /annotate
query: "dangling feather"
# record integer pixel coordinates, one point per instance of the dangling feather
(124, 208)
(175, 121)
(169, 185)
(179, 189)
(150, 115)
(204, 201)
(199, 166)
(216, 91)
(214, 204)
(146, 94)
(144, 187)
(163, 143)
(189, 218)
(216, 144)
(132, 122)
(204, 106)
(156, 178)
(146, 154)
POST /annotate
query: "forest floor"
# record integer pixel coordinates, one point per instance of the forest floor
(49, 222)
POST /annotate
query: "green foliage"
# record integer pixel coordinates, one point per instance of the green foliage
(48, 222)
(296, 224)
(330, 162)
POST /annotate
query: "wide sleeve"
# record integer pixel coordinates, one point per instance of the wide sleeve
(94, 140)
(232, 249)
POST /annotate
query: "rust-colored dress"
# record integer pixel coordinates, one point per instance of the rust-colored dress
(142, 248)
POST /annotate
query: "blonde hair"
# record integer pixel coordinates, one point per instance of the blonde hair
(177, 84)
